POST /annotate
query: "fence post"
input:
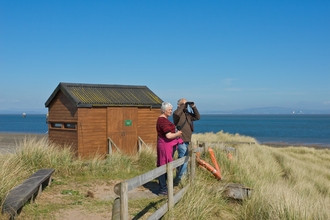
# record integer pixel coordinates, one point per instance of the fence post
(116, 209)
(169, 169)
(124, 201)
(192, 156)
(206, 148)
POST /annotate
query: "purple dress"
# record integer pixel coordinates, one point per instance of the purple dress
(164, 145)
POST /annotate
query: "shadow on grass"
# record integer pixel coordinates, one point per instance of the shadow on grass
(152, 186)
(152, 205)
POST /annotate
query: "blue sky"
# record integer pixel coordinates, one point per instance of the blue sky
(224, 55)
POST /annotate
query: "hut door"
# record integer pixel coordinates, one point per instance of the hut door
(122, 128)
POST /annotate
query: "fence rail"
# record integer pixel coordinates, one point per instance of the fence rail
(120, 206)
(121, 189)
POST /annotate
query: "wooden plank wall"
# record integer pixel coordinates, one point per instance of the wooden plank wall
(92, 131)
(90, 135)
(59, 111)
(64, 139)
(125, 137)
(147, 124)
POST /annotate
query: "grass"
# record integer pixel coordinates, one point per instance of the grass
(287, 183)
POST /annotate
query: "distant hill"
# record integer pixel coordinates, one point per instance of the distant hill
(269, 110)
(266, 110)
(33, 111)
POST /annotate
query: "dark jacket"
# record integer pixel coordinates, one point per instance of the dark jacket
(184, 119)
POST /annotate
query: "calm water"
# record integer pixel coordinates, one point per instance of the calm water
(302, 129)
(18, 124)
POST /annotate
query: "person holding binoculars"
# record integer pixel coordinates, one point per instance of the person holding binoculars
(183, 118)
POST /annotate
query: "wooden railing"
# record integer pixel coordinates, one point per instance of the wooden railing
(120, 206)
(122, 189)
(222, 146)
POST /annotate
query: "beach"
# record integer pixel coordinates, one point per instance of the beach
(9, 142)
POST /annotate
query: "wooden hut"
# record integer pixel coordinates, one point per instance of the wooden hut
(101, 119)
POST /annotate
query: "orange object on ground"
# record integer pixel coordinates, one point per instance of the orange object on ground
(230, 156)
(214, 160)
(209, 168)
(198, 154)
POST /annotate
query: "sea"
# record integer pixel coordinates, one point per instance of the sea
(305, 129)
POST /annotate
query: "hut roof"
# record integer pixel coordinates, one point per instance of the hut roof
(92, 95)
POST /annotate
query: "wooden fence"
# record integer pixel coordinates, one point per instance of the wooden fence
(120, 206)
(122, 189)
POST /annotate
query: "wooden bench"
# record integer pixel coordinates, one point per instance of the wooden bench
(26, 192)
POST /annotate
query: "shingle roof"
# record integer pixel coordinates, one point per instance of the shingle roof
(88, 95)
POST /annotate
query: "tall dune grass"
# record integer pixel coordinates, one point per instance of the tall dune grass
(33, 154)
(287, 183)
(221, 137)
(36, 154)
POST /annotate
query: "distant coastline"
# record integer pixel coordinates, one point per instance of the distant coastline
(262, 110)
(269, 110)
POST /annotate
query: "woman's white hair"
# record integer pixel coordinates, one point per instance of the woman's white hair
(165, 105)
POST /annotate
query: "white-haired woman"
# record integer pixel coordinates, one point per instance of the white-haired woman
(168, 138)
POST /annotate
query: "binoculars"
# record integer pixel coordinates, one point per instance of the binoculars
(189, 103)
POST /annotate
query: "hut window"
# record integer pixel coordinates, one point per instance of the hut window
(70, 125)
(56, 125)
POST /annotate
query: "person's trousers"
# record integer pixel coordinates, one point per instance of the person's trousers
(162, 183)
(182, 152)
